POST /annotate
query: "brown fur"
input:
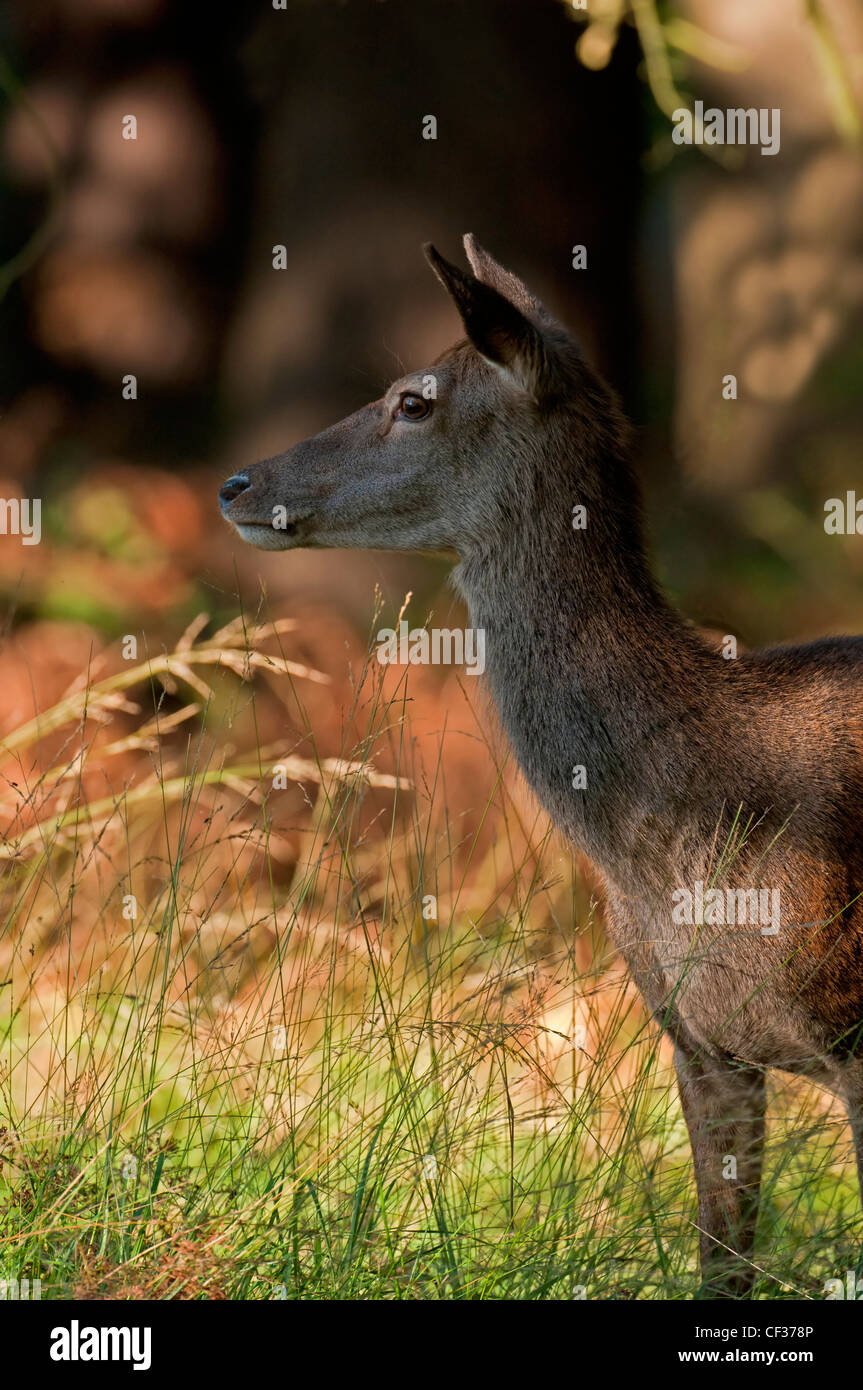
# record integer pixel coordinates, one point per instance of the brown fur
(743, 774)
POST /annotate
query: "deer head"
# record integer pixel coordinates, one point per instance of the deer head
(443, 459)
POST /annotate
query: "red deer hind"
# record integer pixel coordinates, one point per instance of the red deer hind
(722, 800)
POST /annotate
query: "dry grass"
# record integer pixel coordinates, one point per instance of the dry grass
(243, 1054)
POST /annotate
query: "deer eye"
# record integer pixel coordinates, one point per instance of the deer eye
(411, 407)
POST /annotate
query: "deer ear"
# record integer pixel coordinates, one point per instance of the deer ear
(495, 326)
(491, 272)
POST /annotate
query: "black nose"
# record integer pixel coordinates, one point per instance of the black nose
(233, 487)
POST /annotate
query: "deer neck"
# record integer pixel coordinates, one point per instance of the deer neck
(594, 675)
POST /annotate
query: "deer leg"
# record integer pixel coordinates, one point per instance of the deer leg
(724, 1104)
(853, 1097)
(855, 1116)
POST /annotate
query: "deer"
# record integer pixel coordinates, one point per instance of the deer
(705, 784)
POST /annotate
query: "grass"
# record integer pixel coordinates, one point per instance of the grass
(275, 1024)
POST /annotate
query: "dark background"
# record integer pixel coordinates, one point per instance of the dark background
(302, 127)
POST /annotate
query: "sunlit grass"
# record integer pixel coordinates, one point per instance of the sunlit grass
(405, 1066)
